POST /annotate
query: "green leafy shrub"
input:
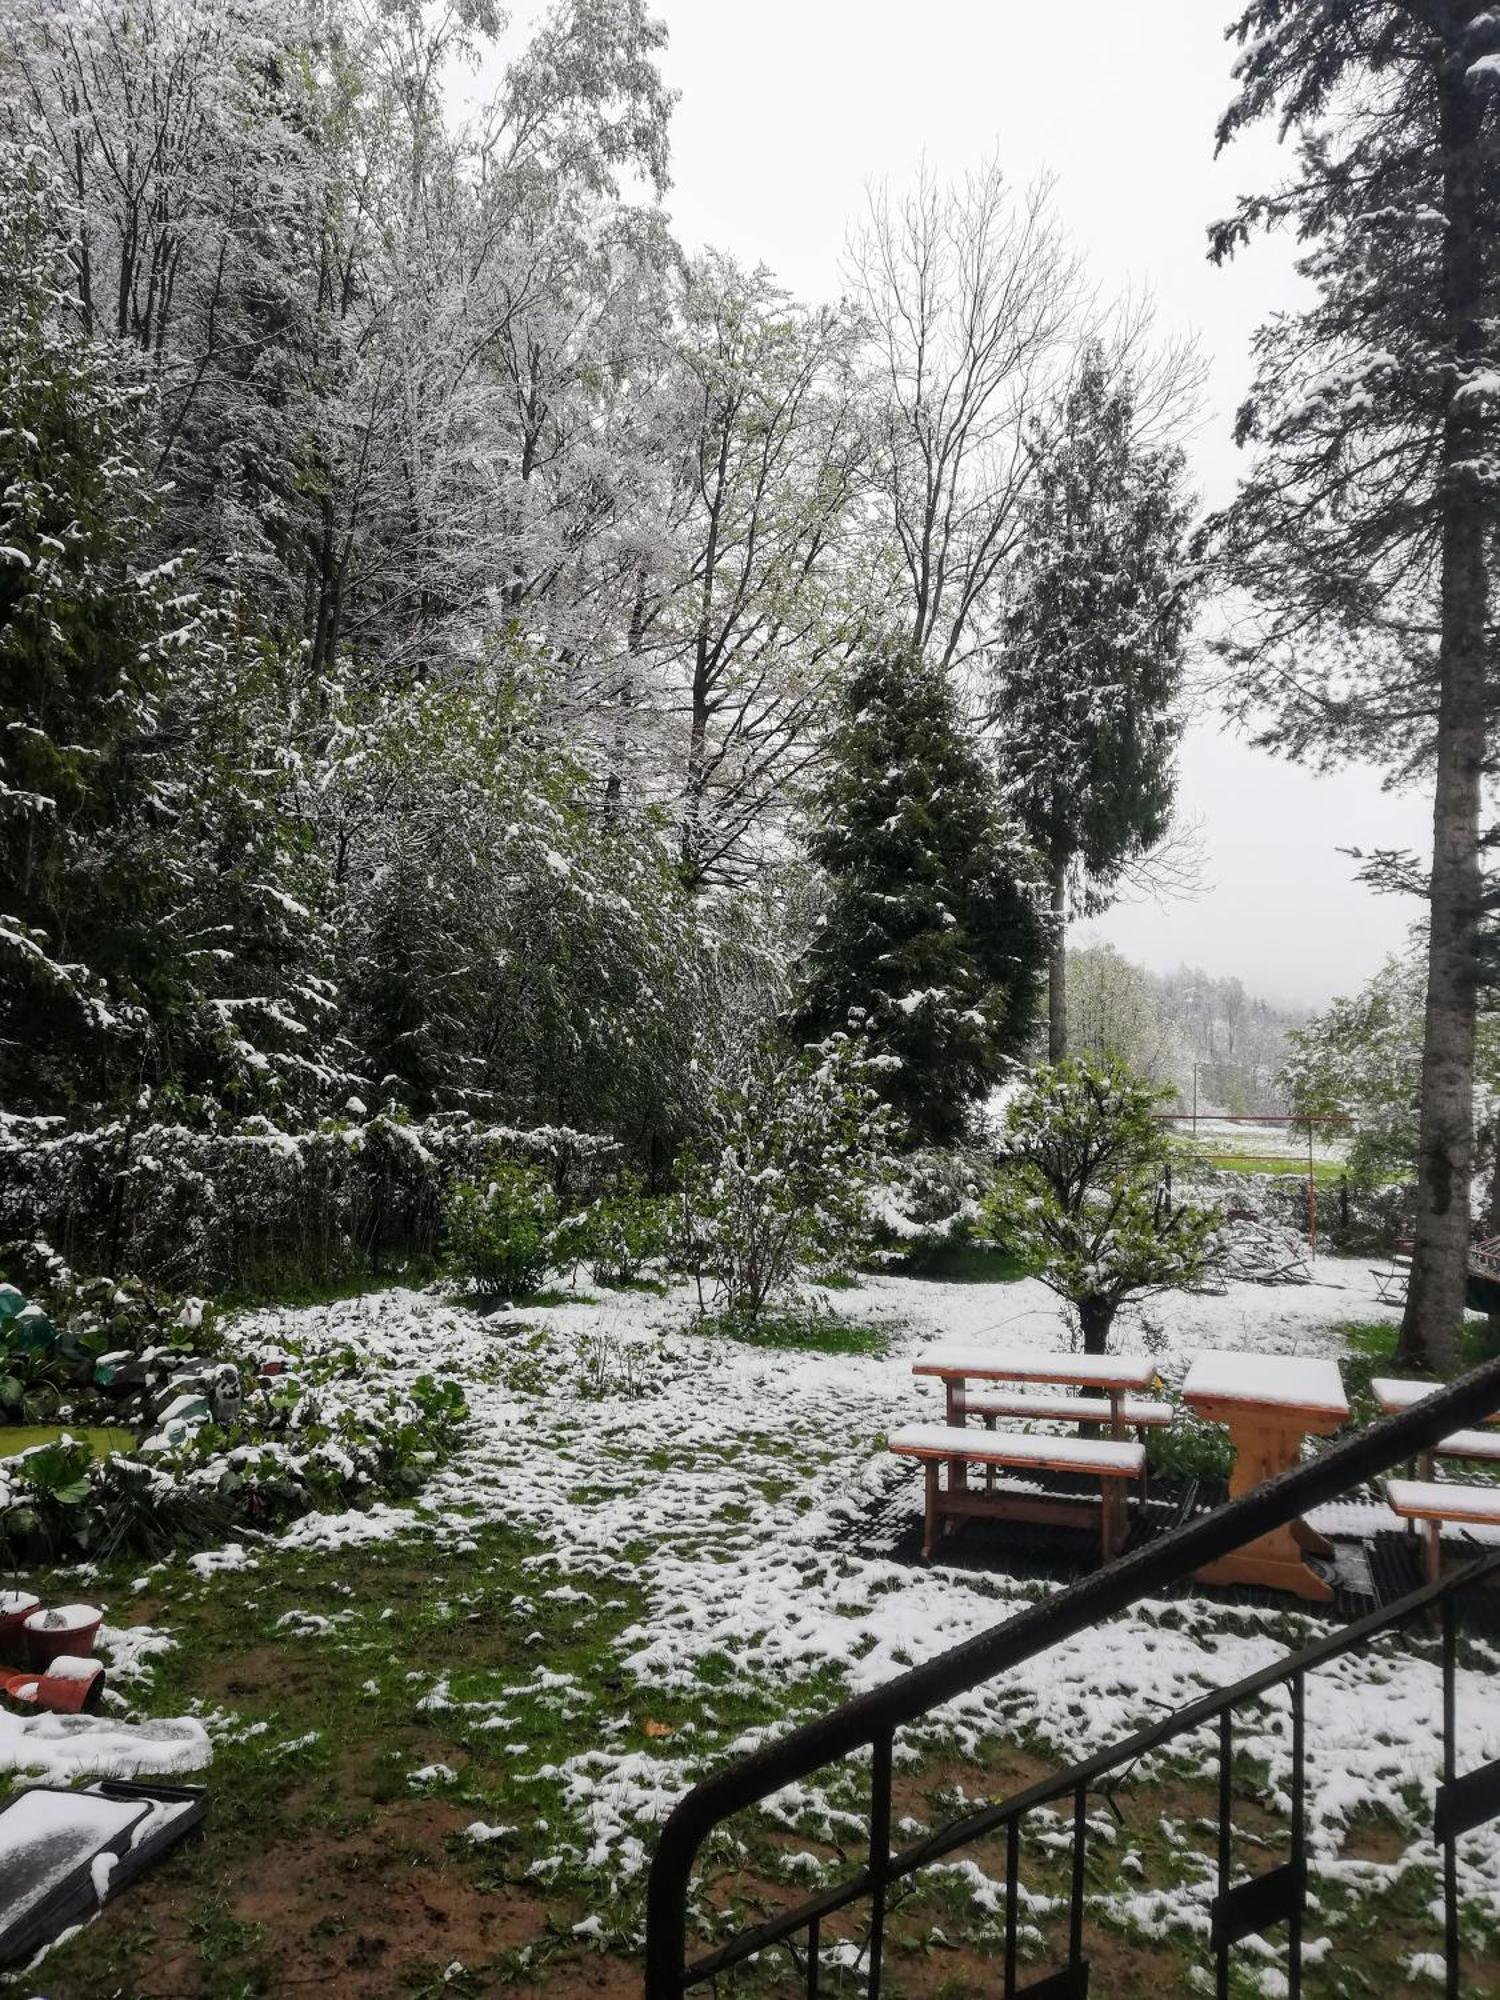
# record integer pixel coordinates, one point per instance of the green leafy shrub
(931, 1206)
(500, 1233)
(1190, 1448)
(618, 1235)
(781, 1187)
(43, 1494)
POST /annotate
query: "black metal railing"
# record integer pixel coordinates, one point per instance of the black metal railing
(872, 1720)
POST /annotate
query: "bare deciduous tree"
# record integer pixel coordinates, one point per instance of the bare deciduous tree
(970, 295)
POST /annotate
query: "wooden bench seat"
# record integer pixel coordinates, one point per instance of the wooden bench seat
(1110, 1460)
(1468, 1444)
(1433, 1501)
(1136, 1411)
(1393, 1393)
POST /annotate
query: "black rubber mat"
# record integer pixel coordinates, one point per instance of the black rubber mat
(1369, 1570)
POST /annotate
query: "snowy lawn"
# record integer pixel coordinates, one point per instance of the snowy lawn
(442, 1735)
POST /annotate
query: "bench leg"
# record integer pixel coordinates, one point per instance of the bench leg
(989, 1470)
(1109, 1521)
(1432, 1551)
(930, 1519)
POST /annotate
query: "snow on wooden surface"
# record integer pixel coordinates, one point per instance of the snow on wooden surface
(1018, 1448)
(1394, 1396)
(1068, 1409)
(1470, 1444)
(1289, 1381)
(1446, 1499)
(999, 1364)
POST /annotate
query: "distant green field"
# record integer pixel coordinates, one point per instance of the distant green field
(1251, 1163)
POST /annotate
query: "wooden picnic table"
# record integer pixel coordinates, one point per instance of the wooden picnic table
(1114, 1376)
(1269, 1403)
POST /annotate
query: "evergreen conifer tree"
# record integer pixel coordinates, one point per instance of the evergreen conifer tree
(932, 931)
(81, 653)
(1365, 527)
(1087, 681)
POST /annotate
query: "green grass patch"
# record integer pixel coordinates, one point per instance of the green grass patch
(965, 1264)
(1255, 1163)
(101, 1441)
(818, 1333)
(1233, 1160)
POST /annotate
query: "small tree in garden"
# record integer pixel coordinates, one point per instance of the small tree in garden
(932, 932)
(779, 1189)
(1084, 1197)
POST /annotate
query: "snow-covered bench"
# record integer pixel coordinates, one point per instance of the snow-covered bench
(1138, 1412)
(1111, 1461)
(1426, 1502)
(1393, 1394)
(1431, 1502)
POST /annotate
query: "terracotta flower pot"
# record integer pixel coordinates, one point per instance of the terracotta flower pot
(16, 1606)
(65, 1628)
(67, 1687)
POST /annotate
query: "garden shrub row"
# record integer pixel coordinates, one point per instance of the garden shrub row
(258, 1209)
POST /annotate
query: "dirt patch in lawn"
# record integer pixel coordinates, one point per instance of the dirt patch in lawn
(371, 1912)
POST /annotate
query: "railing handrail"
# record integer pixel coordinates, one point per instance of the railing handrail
(1363, 1455)
(1086, 1772)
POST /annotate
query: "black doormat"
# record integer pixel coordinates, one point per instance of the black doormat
(1370, 1569)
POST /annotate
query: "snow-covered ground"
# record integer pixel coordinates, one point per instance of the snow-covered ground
(716, 1494)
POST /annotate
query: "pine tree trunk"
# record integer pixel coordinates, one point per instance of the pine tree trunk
(1057, 968)
(1445, 1157)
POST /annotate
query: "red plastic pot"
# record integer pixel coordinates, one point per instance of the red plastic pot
(64, 1628)
(16, 1606)
(67, 1686)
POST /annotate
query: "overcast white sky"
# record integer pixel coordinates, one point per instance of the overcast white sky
(788, 108)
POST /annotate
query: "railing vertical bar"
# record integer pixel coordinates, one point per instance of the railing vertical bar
(814, 1939)
(880, 1851)
(1450, 1771)
(1080, 1845)
(1226, 1805)
(1299, 1831)
(1012, 1889)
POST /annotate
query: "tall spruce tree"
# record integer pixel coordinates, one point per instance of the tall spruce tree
(1087, 681)
(932, 933)
(1364, 529)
